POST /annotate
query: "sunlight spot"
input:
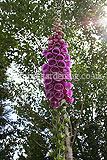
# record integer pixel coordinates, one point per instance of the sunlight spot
(103, 20)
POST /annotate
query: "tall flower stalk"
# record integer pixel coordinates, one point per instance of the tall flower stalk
(57, 77)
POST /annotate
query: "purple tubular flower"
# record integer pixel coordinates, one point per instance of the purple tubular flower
(55, 40)
(61, 33)
(54, 69)
(59, 36)
(66, 70)
(50, 47)
(59, 57)
(56, 51)
(67, 57)
(53, 29)
(67, 98)
(51, 62)
(64, 50)
(64, 45)
(54, 103)
(50, 42)
(44, 52)
(47, 74)
(55, 34)
(51, 37)
(58, 87)
(68, 77)
(57, 45)
(71, 100)
(59, 95)
(61, 64)
(68, 64)
(45, 67)
(47, 81)
(60, 28)
(48, 87)
(61, 41)
(68, 85)
(58, 77)
(57, 31)
(49, 55)
(69, 93)
(49, 95)
(65, 91)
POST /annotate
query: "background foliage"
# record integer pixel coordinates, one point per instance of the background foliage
(24, 29)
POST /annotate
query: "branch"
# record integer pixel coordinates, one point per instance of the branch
(36, 128)
(34, 113)
(70, 125)
(41, 145)
(78, 122)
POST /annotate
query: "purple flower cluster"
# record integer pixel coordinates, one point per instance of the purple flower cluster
(57, 69)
